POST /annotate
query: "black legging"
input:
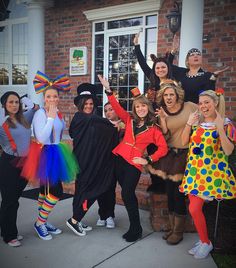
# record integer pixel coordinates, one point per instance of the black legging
(11, 187)
(107, 201)
(56, 190)
(176, 199)
(128, 177)
(79, 212)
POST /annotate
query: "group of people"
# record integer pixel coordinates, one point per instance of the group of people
(180, 124)
(192, 118)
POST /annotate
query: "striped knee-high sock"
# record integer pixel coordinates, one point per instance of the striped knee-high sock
(46, 208)
(41, 199)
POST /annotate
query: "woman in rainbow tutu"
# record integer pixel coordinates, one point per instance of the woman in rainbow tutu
(50, 161)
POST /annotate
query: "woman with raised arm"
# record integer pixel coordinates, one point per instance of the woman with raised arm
(140, 131)
(15, 136)
(193, 78)
(208, 175)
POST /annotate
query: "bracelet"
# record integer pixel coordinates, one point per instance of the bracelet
(187, 124)
(149, 159)
(109, 93)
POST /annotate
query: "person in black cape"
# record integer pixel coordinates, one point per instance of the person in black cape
(94, 138)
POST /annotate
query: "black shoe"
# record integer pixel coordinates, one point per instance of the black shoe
(132, 237)
(77, 228)
(126, 234)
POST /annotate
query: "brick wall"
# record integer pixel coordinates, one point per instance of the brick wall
(66, 26)
(220, 26)
(219, 43)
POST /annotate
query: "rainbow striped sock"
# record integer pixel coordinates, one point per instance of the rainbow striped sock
(46, 208)
(41, 199)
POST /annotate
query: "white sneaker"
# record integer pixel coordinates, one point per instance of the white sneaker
(203, 251)
(14, 243)
(110, 223)
(86, 227)
(20, 237)
(101, 222)
(193, 250)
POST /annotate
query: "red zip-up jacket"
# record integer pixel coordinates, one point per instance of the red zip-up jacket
(134, 146)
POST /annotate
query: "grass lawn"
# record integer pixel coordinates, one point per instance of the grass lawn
(224, 260)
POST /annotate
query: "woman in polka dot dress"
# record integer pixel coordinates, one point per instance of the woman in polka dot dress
(207, 175)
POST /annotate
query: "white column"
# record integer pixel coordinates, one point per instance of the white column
(36, 55)
(191, 27)
(35, 47)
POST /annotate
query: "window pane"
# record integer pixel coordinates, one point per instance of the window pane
(122, 62)
(125, 23)
(99, 54)
(4, 56)
(19, 54)
(98, 68)
(151, 20)
(99, 27)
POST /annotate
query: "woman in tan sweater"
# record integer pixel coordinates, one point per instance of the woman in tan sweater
(173, 115)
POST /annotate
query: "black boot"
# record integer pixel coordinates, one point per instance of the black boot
(133, 234)
(135, 230)
(158, 185)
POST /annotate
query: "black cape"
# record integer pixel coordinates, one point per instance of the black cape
(94, 138)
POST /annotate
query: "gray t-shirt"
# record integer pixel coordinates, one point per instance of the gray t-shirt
(20, 135)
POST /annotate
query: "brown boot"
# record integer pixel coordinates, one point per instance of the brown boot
(177, 234)
(171, 222)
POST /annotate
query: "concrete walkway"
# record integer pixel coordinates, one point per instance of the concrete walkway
(102, 247)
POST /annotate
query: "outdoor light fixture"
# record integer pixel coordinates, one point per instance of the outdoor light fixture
(174, 18)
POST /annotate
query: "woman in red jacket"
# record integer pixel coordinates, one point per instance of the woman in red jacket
(141, 130)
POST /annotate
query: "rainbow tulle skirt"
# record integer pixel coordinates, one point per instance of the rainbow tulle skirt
(50, 164)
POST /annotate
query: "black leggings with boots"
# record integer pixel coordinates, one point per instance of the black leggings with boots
(176, 199)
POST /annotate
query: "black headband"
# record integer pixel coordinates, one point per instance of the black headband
(194, 51)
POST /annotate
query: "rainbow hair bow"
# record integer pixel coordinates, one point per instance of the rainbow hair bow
(42, 82)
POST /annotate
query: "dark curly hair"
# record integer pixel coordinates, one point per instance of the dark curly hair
(154, 79)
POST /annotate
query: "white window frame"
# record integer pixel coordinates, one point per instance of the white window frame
(119, 31)
(20, 89)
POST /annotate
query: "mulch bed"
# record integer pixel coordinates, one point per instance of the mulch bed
(225, 241)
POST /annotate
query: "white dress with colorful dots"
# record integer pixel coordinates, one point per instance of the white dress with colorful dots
(207, 173)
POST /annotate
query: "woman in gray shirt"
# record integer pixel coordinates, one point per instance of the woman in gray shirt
(15, 135)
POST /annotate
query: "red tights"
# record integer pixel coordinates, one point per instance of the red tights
(195, 209)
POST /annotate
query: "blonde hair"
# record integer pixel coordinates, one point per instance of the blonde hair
(218, 98)
(170, 84)
(150, 118)
(192, 50)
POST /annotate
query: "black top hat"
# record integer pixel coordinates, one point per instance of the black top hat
(6, 95)
(86, 90)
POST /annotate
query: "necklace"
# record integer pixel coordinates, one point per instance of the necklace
(174, 113)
